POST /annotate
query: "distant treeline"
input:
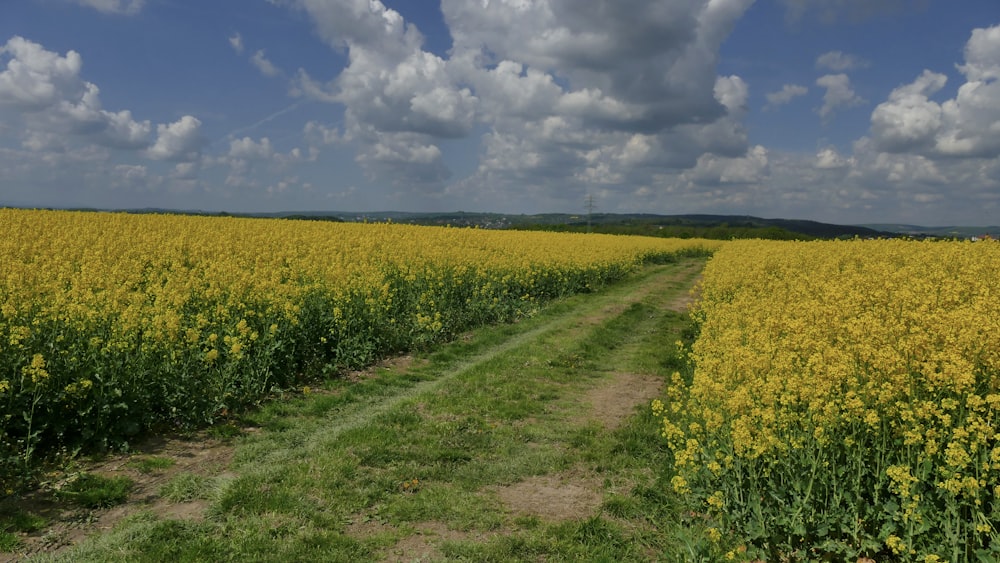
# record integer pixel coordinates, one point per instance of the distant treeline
(716, 232)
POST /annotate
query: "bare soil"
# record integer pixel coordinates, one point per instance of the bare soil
(613, 402)
(556, 497)
(198, 455)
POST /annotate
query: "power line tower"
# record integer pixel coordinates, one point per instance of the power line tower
(590, 209)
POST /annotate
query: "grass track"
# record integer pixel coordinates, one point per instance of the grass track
(468, 453)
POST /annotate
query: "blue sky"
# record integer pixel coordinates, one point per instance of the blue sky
(848, 111)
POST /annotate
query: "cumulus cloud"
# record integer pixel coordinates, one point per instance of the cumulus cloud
(36, 78)
(185, 171)
(265, 66)
(123, 7)
(563, 95)
(236, 42)
(982, 55)
(318, 134)
(715, 170)
(250, 149)
(652, 62)
(731, 92)
(909, 120)
(830, 159)
(46, 89)
(178, 141)
(398, 99)
(787, 93)
(839, 94)
(564, 85)
(838, 61)
(408, 159)
(130, 174)
(966, 126)
(250, 162)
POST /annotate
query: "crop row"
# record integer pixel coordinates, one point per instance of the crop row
(845, 400)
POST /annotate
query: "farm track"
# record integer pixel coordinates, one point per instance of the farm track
(663, 283)
(578, 368)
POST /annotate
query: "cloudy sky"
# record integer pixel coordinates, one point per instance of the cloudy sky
(848, 111)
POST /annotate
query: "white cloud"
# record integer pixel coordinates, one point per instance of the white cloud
(250, 149)
(714, 170)
(49, 94)
(512, 90)
(415, 94)
(732, 91)
(830, 159)
(36, 78)
(839, 94)
(124, 7)
(185, 171)
(407, 159)
(178, 141)
(838, 61)
(909, 120)
(787, 93)
(318, 134)
(966, 126)
(236, 42)
(565, 87)
(654, 60)
(265, 66)
(982, 55)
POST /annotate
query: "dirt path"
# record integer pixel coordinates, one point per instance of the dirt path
(582, 362)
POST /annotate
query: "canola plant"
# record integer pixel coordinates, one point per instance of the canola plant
(844, 401)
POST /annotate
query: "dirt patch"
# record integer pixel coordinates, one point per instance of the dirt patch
(683, 302)
(613, 402)
(200, 455)
(565, 496)
(424, 544)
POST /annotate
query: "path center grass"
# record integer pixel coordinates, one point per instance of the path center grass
(426, 460)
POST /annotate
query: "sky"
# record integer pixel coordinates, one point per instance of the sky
(844, 111)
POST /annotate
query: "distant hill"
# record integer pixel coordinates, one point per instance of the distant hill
(637, 223)
(947, 232)
(691, 225)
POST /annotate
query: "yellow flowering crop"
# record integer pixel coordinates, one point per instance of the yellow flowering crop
(113, 323)
(854, 386)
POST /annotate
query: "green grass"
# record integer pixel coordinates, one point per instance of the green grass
(151, 464)
(89, 490)
(437, 442)
(185, 487)
(15, 520)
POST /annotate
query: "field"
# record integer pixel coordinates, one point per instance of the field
(116, 324)
(845, 400)
(833, 401)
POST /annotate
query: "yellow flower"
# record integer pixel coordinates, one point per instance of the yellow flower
(680, 485)
(657, 407)
(715, 500)
(36, 370)
(895, 543)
